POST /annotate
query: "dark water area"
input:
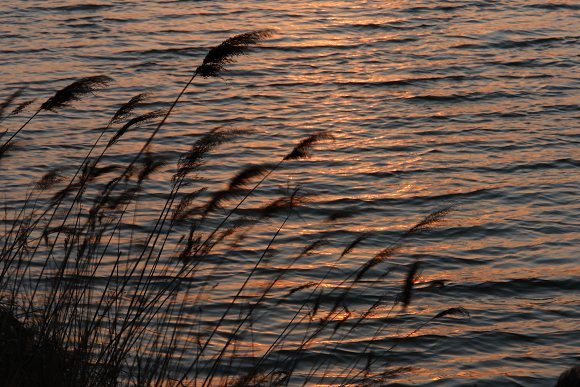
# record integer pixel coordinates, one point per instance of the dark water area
(470, 103)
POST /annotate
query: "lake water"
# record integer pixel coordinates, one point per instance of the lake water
(431, 103)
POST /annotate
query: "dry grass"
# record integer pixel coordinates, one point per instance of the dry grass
(90, 298)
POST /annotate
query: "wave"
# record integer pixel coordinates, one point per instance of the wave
(564, 163)
(83, 7)
(517, 287)
(475, 96)
(508, 44)
(554, 6)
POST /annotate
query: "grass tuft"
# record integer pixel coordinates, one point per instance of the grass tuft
(92, 293)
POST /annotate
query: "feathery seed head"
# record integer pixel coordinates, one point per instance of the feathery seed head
(135, 121)
(194, 158)
(429, 221)
(216, 59)
(21, 106)
(248, 173)
(8, 101)
(127, 109)
(75, 91)
(49, 180)
(302, 150)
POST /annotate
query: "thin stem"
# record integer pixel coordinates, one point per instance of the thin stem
(3, 147)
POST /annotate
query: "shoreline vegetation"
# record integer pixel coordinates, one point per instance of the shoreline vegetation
(78, 310)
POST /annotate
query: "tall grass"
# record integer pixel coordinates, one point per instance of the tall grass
(90, 297)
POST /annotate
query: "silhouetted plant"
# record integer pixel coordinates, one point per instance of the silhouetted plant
(73, 312)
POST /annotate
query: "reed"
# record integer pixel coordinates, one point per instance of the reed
(89, 296)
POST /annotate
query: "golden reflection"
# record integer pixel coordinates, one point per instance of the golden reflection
(430, 103)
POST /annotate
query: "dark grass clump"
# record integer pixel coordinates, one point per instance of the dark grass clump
(29, 359)
(93, 295)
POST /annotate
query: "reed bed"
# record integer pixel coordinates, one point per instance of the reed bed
(77, 309)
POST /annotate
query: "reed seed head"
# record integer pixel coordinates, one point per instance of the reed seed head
(216, 59)
(75, 91)
(302, 150)
(126, 109)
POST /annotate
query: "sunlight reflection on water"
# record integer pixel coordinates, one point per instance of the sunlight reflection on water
(473, 103)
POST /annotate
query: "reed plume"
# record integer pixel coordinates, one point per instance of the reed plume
(21, 107)
(150, 164)
(236, 186)
(301, 287)
(194, 158)
(9, 100)
(219, 197)
(429, 221)
(282, 204)
(408, 284)
(49, 179)
(75, 92)
(245, 175)
(126, 110)
(184, 208)
(216, 59)
(302, 150)
(64, 97)
(354, 243)
(311, 248)
(135, 121)
(378, 258)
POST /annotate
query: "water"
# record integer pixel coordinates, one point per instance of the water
(431, 103)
